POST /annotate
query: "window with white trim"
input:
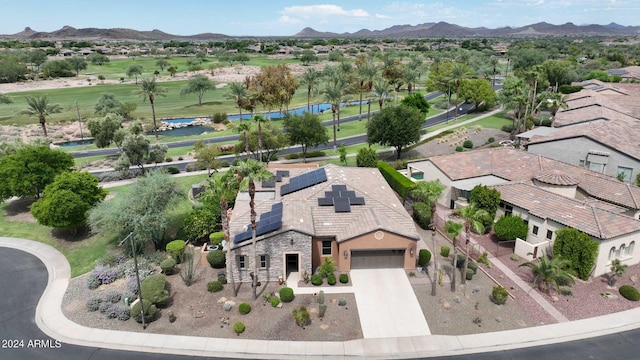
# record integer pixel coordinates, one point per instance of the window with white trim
(264, 261)
(612, 252)
(242, 262)
(535, 230)
(549, 234)
(625, 173)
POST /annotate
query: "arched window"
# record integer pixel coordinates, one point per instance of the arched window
(617, 254)
(629, 250)
(623, 250)
(611, 252)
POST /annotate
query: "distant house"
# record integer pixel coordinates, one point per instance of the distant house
(308, 214)
(629, 73)
(548, 194)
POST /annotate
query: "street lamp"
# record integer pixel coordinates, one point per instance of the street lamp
(135, 266)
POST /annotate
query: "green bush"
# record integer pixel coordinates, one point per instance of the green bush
(490, 140)
(327, 267)
(366, 157)
(150, 311)
(316, 279)
(286, 294)
(507, 128)
(244, 308)
(422, 214)
(398, 182)
(508, 228)
(316, 153)
(424, 256)
(222, 279)
(568, 89)
(577, 247)
(176, 249)
(459, 148)
(214, 286)
(301, 315)
(216, 259)
(216, 238)
(473, 266)
(467, 144)
(217, 118)
(173, 170)
(444, 251)
(153, 288)
(460, 261)
(331, 279)
(470, 274)
(292, 156)
(238, 327)
(168, 266)
(629, 292)
(274, 301)
(344, 278)
(168, 159)
(499, 295)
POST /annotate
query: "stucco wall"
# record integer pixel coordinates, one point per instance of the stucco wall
(573, 150)
(603, 263)
(317, 257)
(377, 240)
(275, 247)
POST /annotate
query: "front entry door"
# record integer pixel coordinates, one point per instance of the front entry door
(292, 263)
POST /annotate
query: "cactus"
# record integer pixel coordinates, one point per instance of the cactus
(322, 309)
(321, 297)
(342, 301)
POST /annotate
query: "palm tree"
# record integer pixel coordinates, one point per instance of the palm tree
(149, 89)
(473, 217)
(311, 78)
(333, 94)
(259, 119)
(244, 127)
(238, 93)
(459, 72)
(453, 230)
(555, 101)
(550, 272)
(39, 105)
(251, 171)
(381, 91)
(367, 73)
(429, 192)
(410, 76)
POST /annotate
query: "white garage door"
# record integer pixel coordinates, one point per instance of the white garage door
(377, 259)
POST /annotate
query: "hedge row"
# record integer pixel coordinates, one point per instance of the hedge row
(398, 182)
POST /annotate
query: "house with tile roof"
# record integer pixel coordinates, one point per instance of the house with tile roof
(548, 194)
(350, 215)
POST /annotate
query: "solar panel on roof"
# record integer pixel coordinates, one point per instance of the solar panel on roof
(269, 221)
(271, 183)
(339, 187)
(341, 205)
(325, 201)
(304, 181)
(356, 201)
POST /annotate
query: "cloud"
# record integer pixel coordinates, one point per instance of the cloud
(315, 11)
(381, 16)
(287, 20)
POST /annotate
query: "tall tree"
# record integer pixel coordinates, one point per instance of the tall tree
(311, 78)
(162, 63)
(198, 85)
(453, 230)
(429, 192)
(381, 92)
(367, 73)
(473, 218)
(134, 70)
(244, 128)
(306, 130)
(251, 171)
(259, 119)
(273, 140)
(459, 72)
(334, 92)
(150, 89)
(396, 126)
(103, 129)
(238, 93)
(39, 106)
(274, 86)
(478, 91)
(208, 155)
(410, 77)
(77, 63)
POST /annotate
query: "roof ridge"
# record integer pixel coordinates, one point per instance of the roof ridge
(597, 221)
(635, 200)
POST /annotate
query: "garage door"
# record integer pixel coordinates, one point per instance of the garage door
(377, 259)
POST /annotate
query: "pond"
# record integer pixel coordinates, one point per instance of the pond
(315, 109)
(75, 142)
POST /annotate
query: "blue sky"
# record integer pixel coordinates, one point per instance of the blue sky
(282, 18)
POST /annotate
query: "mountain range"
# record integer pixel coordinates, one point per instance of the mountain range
(426, 30)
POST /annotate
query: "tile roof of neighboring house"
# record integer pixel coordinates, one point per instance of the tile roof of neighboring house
(518, 165)
(586, 106)
(620, 134)
(301, 212)
(580, 215)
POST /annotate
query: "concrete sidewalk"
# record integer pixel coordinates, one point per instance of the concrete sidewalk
(53, 323)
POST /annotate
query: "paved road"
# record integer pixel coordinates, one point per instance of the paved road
(23, 278)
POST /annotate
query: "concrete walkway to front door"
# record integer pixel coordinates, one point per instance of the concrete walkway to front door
(387, 305)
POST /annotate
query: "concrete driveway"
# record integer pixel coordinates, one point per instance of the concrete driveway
(387, 305)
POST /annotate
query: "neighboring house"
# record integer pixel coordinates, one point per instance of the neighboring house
(629, 73)
(547, 193)
(306, 215)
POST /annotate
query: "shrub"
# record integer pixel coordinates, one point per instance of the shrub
(92, 281)
(104, 307)
(113, 297)
(568, 89)
(290, 156)
(168, 266)
(366, 157)
(509, 228)
(344, 278)
(216, 259)
(180, 158)
(629, 292)
(331, 279)
(473, 266)
(301, 316)
(105, 274)
(113, 259)
(507, 128)
(316, 279)
(238, 327)
(316, 153)
(459, 148)
(227, 306)
(490, 140)
(499, 295)
(214, 286)
(173, 170)
(111, 311)
(469, 274)
(342, 301)
(123, 313)
(153, 289)
(444, 251)
(422, 214)
(176, 248)
(216, 238)
(93, 304)
(467, 144)
(244, 308)
(275, 301)
(199, 223)
(286, 294)
(150, 311)
(222, 279)
(424, 256)
(217, 118)
(327, 267)
(577, 247)
(169, 159)
(156, 257)
(398, 182)
(461, 259)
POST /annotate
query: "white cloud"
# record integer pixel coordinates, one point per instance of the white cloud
(288, 20)
(324, 10)
(381, 16)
